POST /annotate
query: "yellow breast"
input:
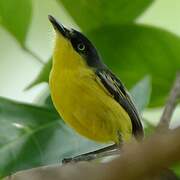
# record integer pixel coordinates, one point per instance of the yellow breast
(82, 102)
(87, 107)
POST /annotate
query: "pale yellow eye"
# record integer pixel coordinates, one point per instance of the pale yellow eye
(81, 47)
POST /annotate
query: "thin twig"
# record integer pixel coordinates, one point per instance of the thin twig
(171, 104)
(34, 55)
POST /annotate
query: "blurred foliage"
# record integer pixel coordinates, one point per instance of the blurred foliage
(15, 16)
(90, 15)
(176, 169)
(43, 76)
(33, 136)
(142, 89)
(145, 58)
(148, 127)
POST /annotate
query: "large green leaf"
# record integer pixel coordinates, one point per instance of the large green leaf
(90, 14)
(15, 16)
(32, 136)
(133, 51)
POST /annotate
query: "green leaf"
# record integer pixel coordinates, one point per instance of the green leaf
(31, 136)
(176, 169)
(133, 51)
(15, 16)
(141, 93)
(43, 76)
(92, 14)
(149, 128)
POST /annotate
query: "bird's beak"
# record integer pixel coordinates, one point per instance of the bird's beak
(59, 27)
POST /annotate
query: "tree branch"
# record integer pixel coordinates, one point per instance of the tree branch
(148, 158)
(171, 104)
(145, 160)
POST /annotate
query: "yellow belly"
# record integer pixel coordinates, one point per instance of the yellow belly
(87, 107)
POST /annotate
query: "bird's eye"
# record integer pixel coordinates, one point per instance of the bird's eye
(81, 47)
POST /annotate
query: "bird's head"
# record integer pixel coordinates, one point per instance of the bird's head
(73, 48)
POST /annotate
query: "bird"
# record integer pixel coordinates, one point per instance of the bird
(89, 97)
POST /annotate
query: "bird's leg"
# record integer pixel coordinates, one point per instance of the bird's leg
(106, 151)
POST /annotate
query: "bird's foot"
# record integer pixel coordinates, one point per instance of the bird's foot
(83, 157)
(92, 155)
(79, 158)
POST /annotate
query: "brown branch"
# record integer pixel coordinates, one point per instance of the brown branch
(137, 161)
(170, 105)
(148, 158)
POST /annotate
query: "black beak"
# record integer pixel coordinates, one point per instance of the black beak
(59, 27)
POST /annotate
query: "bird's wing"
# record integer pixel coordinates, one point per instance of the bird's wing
(121, 95)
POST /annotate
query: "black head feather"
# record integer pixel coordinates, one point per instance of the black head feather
(85, 48)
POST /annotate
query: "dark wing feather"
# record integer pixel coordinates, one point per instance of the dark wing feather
(120, 94)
